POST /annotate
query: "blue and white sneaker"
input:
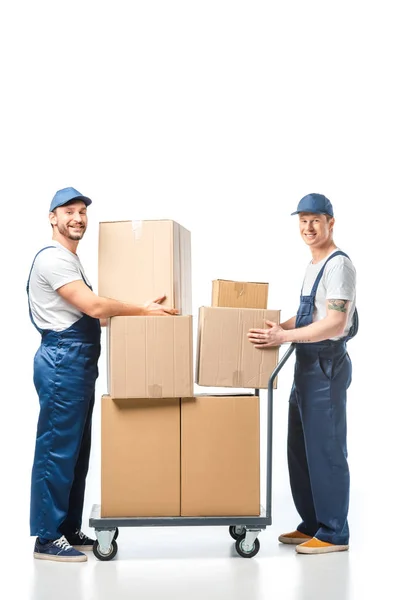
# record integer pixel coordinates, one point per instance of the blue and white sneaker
(59, 550)
(80, 541)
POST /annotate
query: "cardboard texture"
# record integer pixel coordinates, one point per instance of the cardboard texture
(150, 357)
(239, 294)
(142, 260)
(140, 457)
(225, 357)
(220, 449)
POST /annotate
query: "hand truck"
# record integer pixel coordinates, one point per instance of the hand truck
(244, 530)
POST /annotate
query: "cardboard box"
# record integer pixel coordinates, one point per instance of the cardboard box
(150, 357)
(220, 448)
(225, 357)
(239, 294)
(140, 457)
(142, 260)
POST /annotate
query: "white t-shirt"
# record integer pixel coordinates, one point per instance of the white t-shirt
(338, 282)
(53, 268)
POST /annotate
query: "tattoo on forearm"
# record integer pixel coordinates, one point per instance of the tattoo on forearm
(340, 305)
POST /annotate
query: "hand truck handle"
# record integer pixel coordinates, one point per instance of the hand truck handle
(274, 373)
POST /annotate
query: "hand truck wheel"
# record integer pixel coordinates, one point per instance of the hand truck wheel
(105, 556)
(236, 531)
(243, 552)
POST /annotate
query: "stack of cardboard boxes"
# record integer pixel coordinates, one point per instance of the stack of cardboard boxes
(166, 452)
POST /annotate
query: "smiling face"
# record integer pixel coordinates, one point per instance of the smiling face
(316, 229)
(70, 220)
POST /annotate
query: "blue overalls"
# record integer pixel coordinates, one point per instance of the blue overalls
(65, 372)
(317, 450)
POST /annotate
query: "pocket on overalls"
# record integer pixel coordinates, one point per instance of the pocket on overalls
(325, 364)
(306, 308)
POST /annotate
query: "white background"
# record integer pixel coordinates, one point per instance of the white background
(220, 115)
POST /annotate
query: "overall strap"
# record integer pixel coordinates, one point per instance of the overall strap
(84, 280)
(27, 286)
(319, 276)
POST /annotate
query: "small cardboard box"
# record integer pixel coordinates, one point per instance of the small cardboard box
(239, 294)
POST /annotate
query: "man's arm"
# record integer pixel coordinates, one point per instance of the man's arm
(81, 296)
(289, 324)
(333, 325)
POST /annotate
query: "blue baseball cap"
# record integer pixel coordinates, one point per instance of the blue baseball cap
(314, 203)
(65, 195)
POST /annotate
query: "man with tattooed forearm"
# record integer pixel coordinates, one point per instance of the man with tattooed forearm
(326, 319)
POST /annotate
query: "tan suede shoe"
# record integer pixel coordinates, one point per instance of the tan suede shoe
(294, 537)
(316, 546)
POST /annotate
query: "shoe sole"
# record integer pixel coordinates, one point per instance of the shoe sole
(293, 541)
(323, 550)
(83, 548)
(56, 558)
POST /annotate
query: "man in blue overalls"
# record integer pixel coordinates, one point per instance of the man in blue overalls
(326, 320)
(67, 314)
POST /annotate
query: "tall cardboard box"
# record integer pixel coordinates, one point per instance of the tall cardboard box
(225, 357)
(150, 357)
(239, 294)
(140, 457)
(142, 260)
(220, 449)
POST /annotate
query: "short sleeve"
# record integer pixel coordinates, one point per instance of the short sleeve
(341, 281)
(56, 268)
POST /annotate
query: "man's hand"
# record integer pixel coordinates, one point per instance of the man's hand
(153, 308)
(266, 338)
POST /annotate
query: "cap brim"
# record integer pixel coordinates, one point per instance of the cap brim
(313, 212)
(85, 199)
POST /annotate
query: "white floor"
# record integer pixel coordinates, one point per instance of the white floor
(177, 563)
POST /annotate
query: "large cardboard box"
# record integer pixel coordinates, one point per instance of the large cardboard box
(220, 451)
(140, 457)
(150, 357)
(225, 357)
(239, 294)
(142, 260)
